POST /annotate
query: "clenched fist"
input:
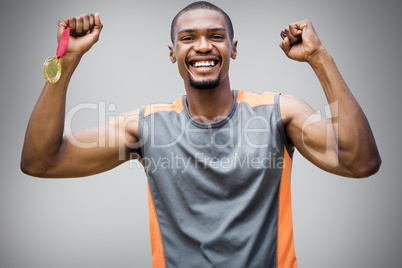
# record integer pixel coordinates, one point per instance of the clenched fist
(300, 41)
(84, 33)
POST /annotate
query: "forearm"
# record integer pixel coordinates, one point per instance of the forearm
(357, 149)
(44, 134)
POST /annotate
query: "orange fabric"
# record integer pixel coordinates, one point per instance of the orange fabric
(176, 106)
(254, 100)
(286, 257)
(158, 253)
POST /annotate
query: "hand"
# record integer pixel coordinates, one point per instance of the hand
(84, 33)
(300, 41)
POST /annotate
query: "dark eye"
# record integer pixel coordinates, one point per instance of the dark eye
(217, 37)
(187, 38)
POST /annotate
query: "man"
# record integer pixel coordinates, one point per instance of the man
(217, 160)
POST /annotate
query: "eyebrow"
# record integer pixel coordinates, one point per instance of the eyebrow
(208, 30)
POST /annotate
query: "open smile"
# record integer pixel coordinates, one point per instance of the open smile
(206, 63)
(203, 64)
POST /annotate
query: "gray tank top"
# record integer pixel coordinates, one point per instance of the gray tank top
(219, 193)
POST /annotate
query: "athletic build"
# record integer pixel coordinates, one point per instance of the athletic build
(202, 46)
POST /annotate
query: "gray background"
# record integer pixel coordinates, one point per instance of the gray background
(102, 220)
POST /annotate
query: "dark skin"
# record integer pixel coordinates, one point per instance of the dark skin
(343, 145)
(200, 32)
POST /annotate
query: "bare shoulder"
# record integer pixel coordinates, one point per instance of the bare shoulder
(129, 121)
(292, 107)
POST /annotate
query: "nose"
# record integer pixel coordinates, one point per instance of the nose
(203, 46)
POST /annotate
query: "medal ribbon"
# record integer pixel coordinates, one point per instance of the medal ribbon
(52, 66)
(63, 43)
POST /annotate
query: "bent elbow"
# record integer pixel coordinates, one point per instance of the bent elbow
(32, 169)
(368, 169)
(26, 169)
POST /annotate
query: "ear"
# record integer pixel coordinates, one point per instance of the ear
(171, 53)
(233, 54)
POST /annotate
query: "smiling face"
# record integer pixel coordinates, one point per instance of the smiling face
(202, 48)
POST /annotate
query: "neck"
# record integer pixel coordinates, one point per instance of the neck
(210, 105)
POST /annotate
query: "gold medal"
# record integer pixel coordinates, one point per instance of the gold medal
(52, 66)
(52, 69)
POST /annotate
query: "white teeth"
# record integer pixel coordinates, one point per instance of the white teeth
(204, 64)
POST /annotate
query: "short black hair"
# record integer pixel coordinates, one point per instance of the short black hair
(201, 5)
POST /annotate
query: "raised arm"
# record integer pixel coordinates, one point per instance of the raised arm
(46, 152)
(343, 144)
